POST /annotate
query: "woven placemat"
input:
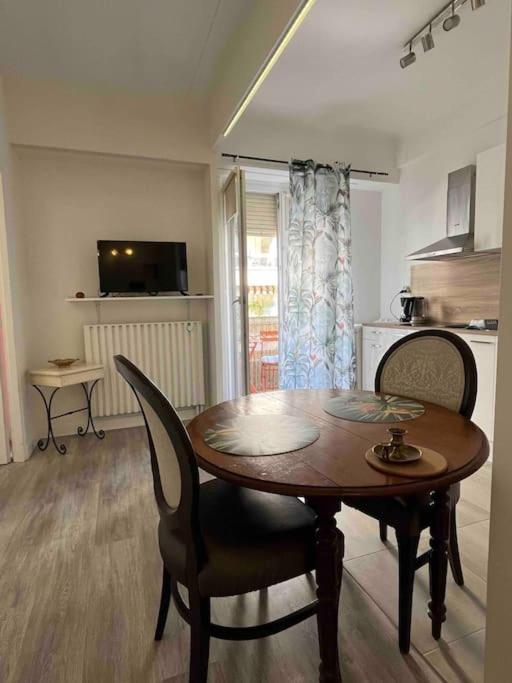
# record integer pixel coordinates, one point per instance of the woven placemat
(430, 464)
(365, 406)
(256, 435)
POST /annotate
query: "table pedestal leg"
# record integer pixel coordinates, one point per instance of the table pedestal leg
(329, 567)
(439, 535)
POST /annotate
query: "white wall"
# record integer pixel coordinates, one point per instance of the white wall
(49, 114)
(68, 201)
(366, 253)
(278, 138)
(414, 215)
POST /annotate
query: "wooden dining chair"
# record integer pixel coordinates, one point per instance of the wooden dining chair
(435, 366)
(216, 539)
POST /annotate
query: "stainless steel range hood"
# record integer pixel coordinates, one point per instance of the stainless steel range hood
(460, 220)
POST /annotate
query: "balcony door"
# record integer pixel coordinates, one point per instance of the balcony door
(235, 229)
(262, 286)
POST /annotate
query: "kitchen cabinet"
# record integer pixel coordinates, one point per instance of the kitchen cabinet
(373, 342)
(484, 351)
(489, 198)
(376, 341)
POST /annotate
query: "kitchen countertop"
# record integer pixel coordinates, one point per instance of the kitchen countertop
(457, 330)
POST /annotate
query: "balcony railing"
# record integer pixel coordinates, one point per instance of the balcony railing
(263, 353)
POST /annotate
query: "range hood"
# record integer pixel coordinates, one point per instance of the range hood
(460, 220)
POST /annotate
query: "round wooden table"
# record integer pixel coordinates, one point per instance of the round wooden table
(334, 467)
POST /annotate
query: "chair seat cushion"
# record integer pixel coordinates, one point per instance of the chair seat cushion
(252, 540)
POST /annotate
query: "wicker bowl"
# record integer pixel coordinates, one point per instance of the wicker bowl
(63, 362)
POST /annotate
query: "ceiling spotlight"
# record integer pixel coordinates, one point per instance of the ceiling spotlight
(427, 40)
(408, 59)
(453, 21)
(476, 4)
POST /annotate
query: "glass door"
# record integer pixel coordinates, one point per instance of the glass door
(234, 216)
(262, 285)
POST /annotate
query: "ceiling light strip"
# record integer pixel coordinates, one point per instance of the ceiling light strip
(269, 64)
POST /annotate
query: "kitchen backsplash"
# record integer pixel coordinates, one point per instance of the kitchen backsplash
(461, 289)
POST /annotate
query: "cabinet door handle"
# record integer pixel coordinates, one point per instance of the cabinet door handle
(480, 341)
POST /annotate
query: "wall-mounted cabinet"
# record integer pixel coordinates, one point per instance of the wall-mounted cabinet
(489, 199)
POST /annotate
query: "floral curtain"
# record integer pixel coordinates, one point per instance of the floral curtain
(317, 346)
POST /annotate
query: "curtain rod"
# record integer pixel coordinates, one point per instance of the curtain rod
(280, 161)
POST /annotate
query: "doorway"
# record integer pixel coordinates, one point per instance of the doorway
(262, 290)
(255, 207)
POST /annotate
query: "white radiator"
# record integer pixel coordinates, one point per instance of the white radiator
(171, 354)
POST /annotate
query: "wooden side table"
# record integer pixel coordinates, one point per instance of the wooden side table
(57, 378)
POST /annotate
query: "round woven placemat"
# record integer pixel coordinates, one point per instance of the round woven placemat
(261, 435)
(365, 406)
(430, 464)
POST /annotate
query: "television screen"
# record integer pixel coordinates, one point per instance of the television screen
(142, 266)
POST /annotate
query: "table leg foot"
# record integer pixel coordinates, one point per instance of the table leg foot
(439, 535)
(329, 568)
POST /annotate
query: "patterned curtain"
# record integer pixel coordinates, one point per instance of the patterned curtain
(317, 346)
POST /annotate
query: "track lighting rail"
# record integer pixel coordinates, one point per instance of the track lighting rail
(452, 6)
(449, 18)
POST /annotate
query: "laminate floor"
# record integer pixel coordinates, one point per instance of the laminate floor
(80, 578)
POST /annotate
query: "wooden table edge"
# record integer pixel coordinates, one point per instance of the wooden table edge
(408, 487)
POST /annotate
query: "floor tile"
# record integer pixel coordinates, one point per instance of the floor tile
(474, 547)
(378, 575)
(361, 533)
(461, 661)
(477, 488)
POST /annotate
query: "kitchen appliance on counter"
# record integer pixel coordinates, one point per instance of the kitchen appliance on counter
(413, 310)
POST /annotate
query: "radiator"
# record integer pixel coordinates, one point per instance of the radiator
(171, 354)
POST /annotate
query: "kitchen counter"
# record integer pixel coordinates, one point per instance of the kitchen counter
(411, 328)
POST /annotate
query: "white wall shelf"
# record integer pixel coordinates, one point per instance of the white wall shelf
(106, 299)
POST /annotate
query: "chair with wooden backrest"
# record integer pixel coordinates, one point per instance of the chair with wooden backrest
(435, 366)
(216, 539)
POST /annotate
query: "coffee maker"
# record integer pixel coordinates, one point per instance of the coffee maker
(413, 310)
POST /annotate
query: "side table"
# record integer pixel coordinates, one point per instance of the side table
(58, 378)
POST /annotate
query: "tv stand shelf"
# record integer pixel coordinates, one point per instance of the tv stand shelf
(173, 297)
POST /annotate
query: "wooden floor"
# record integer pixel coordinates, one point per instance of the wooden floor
(80, 578)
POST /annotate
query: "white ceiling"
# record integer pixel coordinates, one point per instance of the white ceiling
(143, 45)
(342, 67)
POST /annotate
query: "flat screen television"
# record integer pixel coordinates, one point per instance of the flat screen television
(149, 267)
